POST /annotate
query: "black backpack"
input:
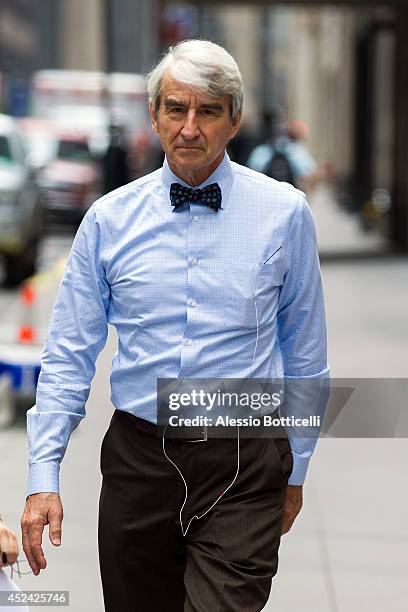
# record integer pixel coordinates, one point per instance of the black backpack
(279, 168)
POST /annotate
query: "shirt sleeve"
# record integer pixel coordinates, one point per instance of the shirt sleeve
(301, 325)
(76, 335)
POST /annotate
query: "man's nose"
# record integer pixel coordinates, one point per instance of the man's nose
(190, 127)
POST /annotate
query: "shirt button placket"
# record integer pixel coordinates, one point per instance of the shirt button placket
(192, 304)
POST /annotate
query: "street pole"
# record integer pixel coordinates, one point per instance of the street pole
(264, 57)
(108, 18)
(109, 56)
(399, 211)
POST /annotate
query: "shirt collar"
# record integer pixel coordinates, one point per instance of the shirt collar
(222, 175)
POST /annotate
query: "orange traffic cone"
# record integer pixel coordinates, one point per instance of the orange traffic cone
(26, 334)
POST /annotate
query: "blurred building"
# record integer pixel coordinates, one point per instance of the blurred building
(121, 35)
(81, 35)
(334, 67)
(71, 34)
(28, 42)
(135, 27)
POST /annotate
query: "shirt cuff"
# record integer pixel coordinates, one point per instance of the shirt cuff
(43, 477)
(300, 465)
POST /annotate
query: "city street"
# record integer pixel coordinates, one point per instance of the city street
(347, 551)
(313, 93)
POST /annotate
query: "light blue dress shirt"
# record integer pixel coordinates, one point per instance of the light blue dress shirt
(178, 286)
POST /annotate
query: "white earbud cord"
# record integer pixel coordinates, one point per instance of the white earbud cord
(196, 516)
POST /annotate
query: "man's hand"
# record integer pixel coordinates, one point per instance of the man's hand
(41, 509)
(8, 546)
(293, 505)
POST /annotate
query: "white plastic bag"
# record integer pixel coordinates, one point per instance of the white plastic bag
(8, 585)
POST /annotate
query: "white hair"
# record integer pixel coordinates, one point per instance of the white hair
(202, 65)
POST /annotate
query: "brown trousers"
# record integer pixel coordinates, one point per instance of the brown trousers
(226, 560)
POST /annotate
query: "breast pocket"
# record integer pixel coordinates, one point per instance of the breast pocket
(238, 290)
(268, 283)
(251, 294)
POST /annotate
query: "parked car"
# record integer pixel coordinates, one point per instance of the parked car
(71, 181)
(20, 209)
(39, 140)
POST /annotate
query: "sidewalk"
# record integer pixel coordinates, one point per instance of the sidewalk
(339, 232)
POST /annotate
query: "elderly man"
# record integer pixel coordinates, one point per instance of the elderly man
(176, 261)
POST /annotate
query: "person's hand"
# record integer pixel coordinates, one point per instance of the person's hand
(293, 505)
(41, 509)
(8, 546)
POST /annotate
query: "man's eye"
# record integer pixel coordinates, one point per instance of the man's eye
(176, 110)
(208, 112)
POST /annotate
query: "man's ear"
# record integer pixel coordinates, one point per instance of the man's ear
(153, 120)
(235, 125)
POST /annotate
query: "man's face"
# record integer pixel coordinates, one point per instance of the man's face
(194, 129)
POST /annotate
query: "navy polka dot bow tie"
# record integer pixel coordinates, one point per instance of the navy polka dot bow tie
(209, 196)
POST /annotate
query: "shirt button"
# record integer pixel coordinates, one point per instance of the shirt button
(189, 342)
(196, 218)
(195, 261)
(193, 303)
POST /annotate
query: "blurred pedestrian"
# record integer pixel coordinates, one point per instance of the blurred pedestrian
(305, 167)
(206, 269)
(284, 156)
(8, 556)
(115, 165)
